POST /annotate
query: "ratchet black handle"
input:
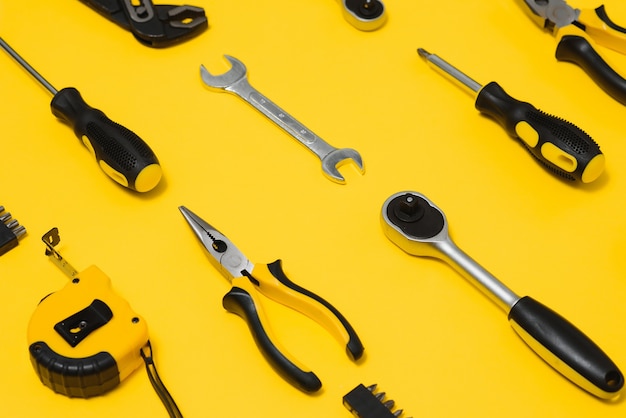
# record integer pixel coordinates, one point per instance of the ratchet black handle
(240, 301)
(120, 153)
(560, 146)
(578, 50)
(566, 348)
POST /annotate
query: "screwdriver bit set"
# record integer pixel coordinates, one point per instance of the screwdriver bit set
(367, 402)
(10, 231)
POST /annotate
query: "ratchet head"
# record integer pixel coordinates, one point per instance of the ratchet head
(222, 82)
(337, 158)
(414, 223)
(365, 15)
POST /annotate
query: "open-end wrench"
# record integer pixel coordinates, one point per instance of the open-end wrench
(235, 81)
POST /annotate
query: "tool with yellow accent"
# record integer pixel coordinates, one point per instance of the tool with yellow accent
(247, 279)
(560, 146)
(577, 32)
(412, 222)
(120, 153)
(85, 339)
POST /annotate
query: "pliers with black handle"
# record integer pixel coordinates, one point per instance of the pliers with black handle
(577, 32)
(248, 279)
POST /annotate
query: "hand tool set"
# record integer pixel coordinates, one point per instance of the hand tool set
(85, 339)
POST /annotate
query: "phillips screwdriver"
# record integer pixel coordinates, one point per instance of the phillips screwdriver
(560, 146)
(120, 153)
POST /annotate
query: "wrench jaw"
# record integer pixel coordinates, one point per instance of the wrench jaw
(337, 158)
(222, 82)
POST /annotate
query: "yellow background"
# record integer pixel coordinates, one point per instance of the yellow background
(433, 342)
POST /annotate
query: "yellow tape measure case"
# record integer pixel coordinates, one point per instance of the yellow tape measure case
(85, 339)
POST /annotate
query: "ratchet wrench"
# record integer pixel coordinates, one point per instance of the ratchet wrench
(235, 81)
(416, 225)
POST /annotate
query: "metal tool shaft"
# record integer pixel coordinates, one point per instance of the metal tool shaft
(504, 297)
(27, 66)
(449, 69)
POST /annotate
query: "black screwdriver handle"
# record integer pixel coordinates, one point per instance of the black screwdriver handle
(566, 348)
(559, 145)
(578, 50)
(120, 153)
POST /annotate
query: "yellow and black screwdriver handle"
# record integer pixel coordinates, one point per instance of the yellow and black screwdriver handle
(84, 339)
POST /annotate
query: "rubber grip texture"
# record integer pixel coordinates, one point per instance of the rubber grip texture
(125, 154)
(239, 301)
(557, 144)
(566, 348)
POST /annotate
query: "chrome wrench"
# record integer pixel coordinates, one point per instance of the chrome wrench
(235, 81)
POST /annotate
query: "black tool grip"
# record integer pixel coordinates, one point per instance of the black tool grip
(315, 307)
(239, 301)
(578, 50)
(560, 146)
(566, 348)
(120, 153)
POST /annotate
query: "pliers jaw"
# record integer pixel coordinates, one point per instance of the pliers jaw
(227, 258)
(153, 25)
(550, 15)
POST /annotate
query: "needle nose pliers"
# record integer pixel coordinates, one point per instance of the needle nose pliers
(247, 279)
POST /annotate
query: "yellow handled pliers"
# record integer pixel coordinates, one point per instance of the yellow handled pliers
(247, 279)
(577, 31)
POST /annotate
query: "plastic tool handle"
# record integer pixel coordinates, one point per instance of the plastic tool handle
(241, 301)
(559, 145)
(274, 284)
(121, 154)
(566, 348)
(578, 50)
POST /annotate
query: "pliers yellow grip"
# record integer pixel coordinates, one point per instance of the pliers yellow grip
(577, 32)
(248, 280)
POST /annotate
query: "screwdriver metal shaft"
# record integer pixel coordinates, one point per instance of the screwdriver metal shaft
(120, 153)
(445, 66)
(560, 146)
(27, 66)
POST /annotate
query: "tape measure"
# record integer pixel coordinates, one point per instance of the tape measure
(84, 339)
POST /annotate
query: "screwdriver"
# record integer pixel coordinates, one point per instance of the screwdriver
(560, 146)
(120, 153)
